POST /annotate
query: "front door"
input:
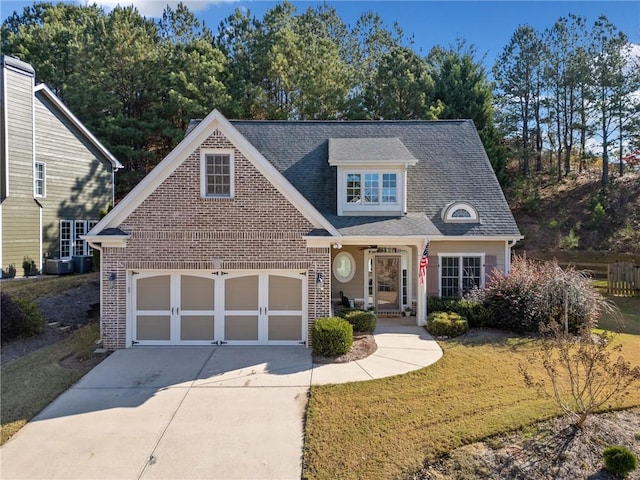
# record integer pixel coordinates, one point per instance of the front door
(387, 279)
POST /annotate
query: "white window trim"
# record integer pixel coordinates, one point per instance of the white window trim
(74, 237)
(352, 260)
(460, 267)
(44, 180)
(448, 211)
(371, 208)
(203, 172)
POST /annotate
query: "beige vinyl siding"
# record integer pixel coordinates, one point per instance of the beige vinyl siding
(78, 185)
(20, 213)
(353, 288)
(19, 104)
(20, 232)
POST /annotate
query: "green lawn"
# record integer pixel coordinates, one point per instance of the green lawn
(31, 382)
(630, 309)
(389, 427)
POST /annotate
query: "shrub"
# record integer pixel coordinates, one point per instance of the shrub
(10, 272)
(331, 336)
(361, 320)
(570, 242)
(472, 309)
(619, 460)
(535, 293)
(29, 267)
(584, 373)
(447, 324)
(598, 215)
(19, 317)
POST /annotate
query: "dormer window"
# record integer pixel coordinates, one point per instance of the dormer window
(460, 212)
(372, 175)
(371, 188)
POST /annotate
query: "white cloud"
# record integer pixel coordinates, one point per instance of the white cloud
(154, 8)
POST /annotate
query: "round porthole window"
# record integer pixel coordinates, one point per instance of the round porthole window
(344, 267)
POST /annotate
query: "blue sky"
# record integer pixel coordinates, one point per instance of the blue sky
(488, 25)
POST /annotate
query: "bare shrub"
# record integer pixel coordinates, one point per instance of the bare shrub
(583, 373)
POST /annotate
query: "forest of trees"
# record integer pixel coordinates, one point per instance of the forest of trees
(136, 82)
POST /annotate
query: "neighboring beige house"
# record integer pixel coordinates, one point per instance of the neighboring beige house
(55, 175)
(249, 230)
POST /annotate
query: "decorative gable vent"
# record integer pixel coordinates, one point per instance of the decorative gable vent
(460, 212)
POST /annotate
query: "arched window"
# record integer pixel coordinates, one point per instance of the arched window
(460, 212)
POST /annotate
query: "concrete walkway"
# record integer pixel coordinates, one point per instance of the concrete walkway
(195, 412)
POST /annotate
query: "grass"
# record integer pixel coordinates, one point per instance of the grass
(630, 309)
(36, 287)
(31, 382)
(387, 428)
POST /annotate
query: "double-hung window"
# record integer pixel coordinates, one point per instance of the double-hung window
(39, 174)
(216, 175)
(372, 188)
(459, 274)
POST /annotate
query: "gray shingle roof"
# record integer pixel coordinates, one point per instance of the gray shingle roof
(452, 166)
(374, 150)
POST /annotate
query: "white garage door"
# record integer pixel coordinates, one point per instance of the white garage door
(240, 308)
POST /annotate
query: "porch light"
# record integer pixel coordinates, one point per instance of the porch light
(319, 282)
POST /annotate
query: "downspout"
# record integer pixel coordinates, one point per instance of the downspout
(113, 189)
(99, 248)
(507, 254)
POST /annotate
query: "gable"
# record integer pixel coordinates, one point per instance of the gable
(176, 204)
(212, 129)
(52, 106)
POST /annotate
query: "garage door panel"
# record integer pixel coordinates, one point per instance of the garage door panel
(197, 327)
(285, 293)
(197, 293)
(154, 293)
(241, 293)
(198, 307)
(285, 327)
(241, 327)
(153, 327)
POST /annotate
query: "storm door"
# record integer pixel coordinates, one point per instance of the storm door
(387, 283)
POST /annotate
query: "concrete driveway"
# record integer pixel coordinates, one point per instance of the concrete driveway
(172, 413)
(195, 412)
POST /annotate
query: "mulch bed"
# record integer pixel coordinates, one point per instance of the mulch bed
(364, 345)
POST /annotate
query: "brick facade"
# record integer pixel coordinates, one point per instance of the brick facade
(175, 229)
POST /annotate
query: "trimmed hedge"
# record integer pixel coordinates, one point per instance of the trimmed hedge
(361, 320)
(446, 324)
(19, 317)
(619, 460)
(476, 313)
(331, 336)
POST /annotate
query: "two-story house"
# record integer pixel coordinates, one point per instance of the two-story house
(247, 230)
(55, 175)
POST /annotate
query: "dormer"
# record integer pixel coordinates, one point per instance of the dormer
(372, 175)
(460, 212)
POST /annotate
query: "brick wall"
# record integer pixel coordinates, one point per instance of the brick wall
(174, 228)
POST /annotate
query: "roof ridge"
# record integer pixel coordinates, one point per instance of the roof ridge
(348, 122)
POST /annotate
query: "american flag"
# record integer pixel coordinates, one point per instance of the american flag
(424, 263)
